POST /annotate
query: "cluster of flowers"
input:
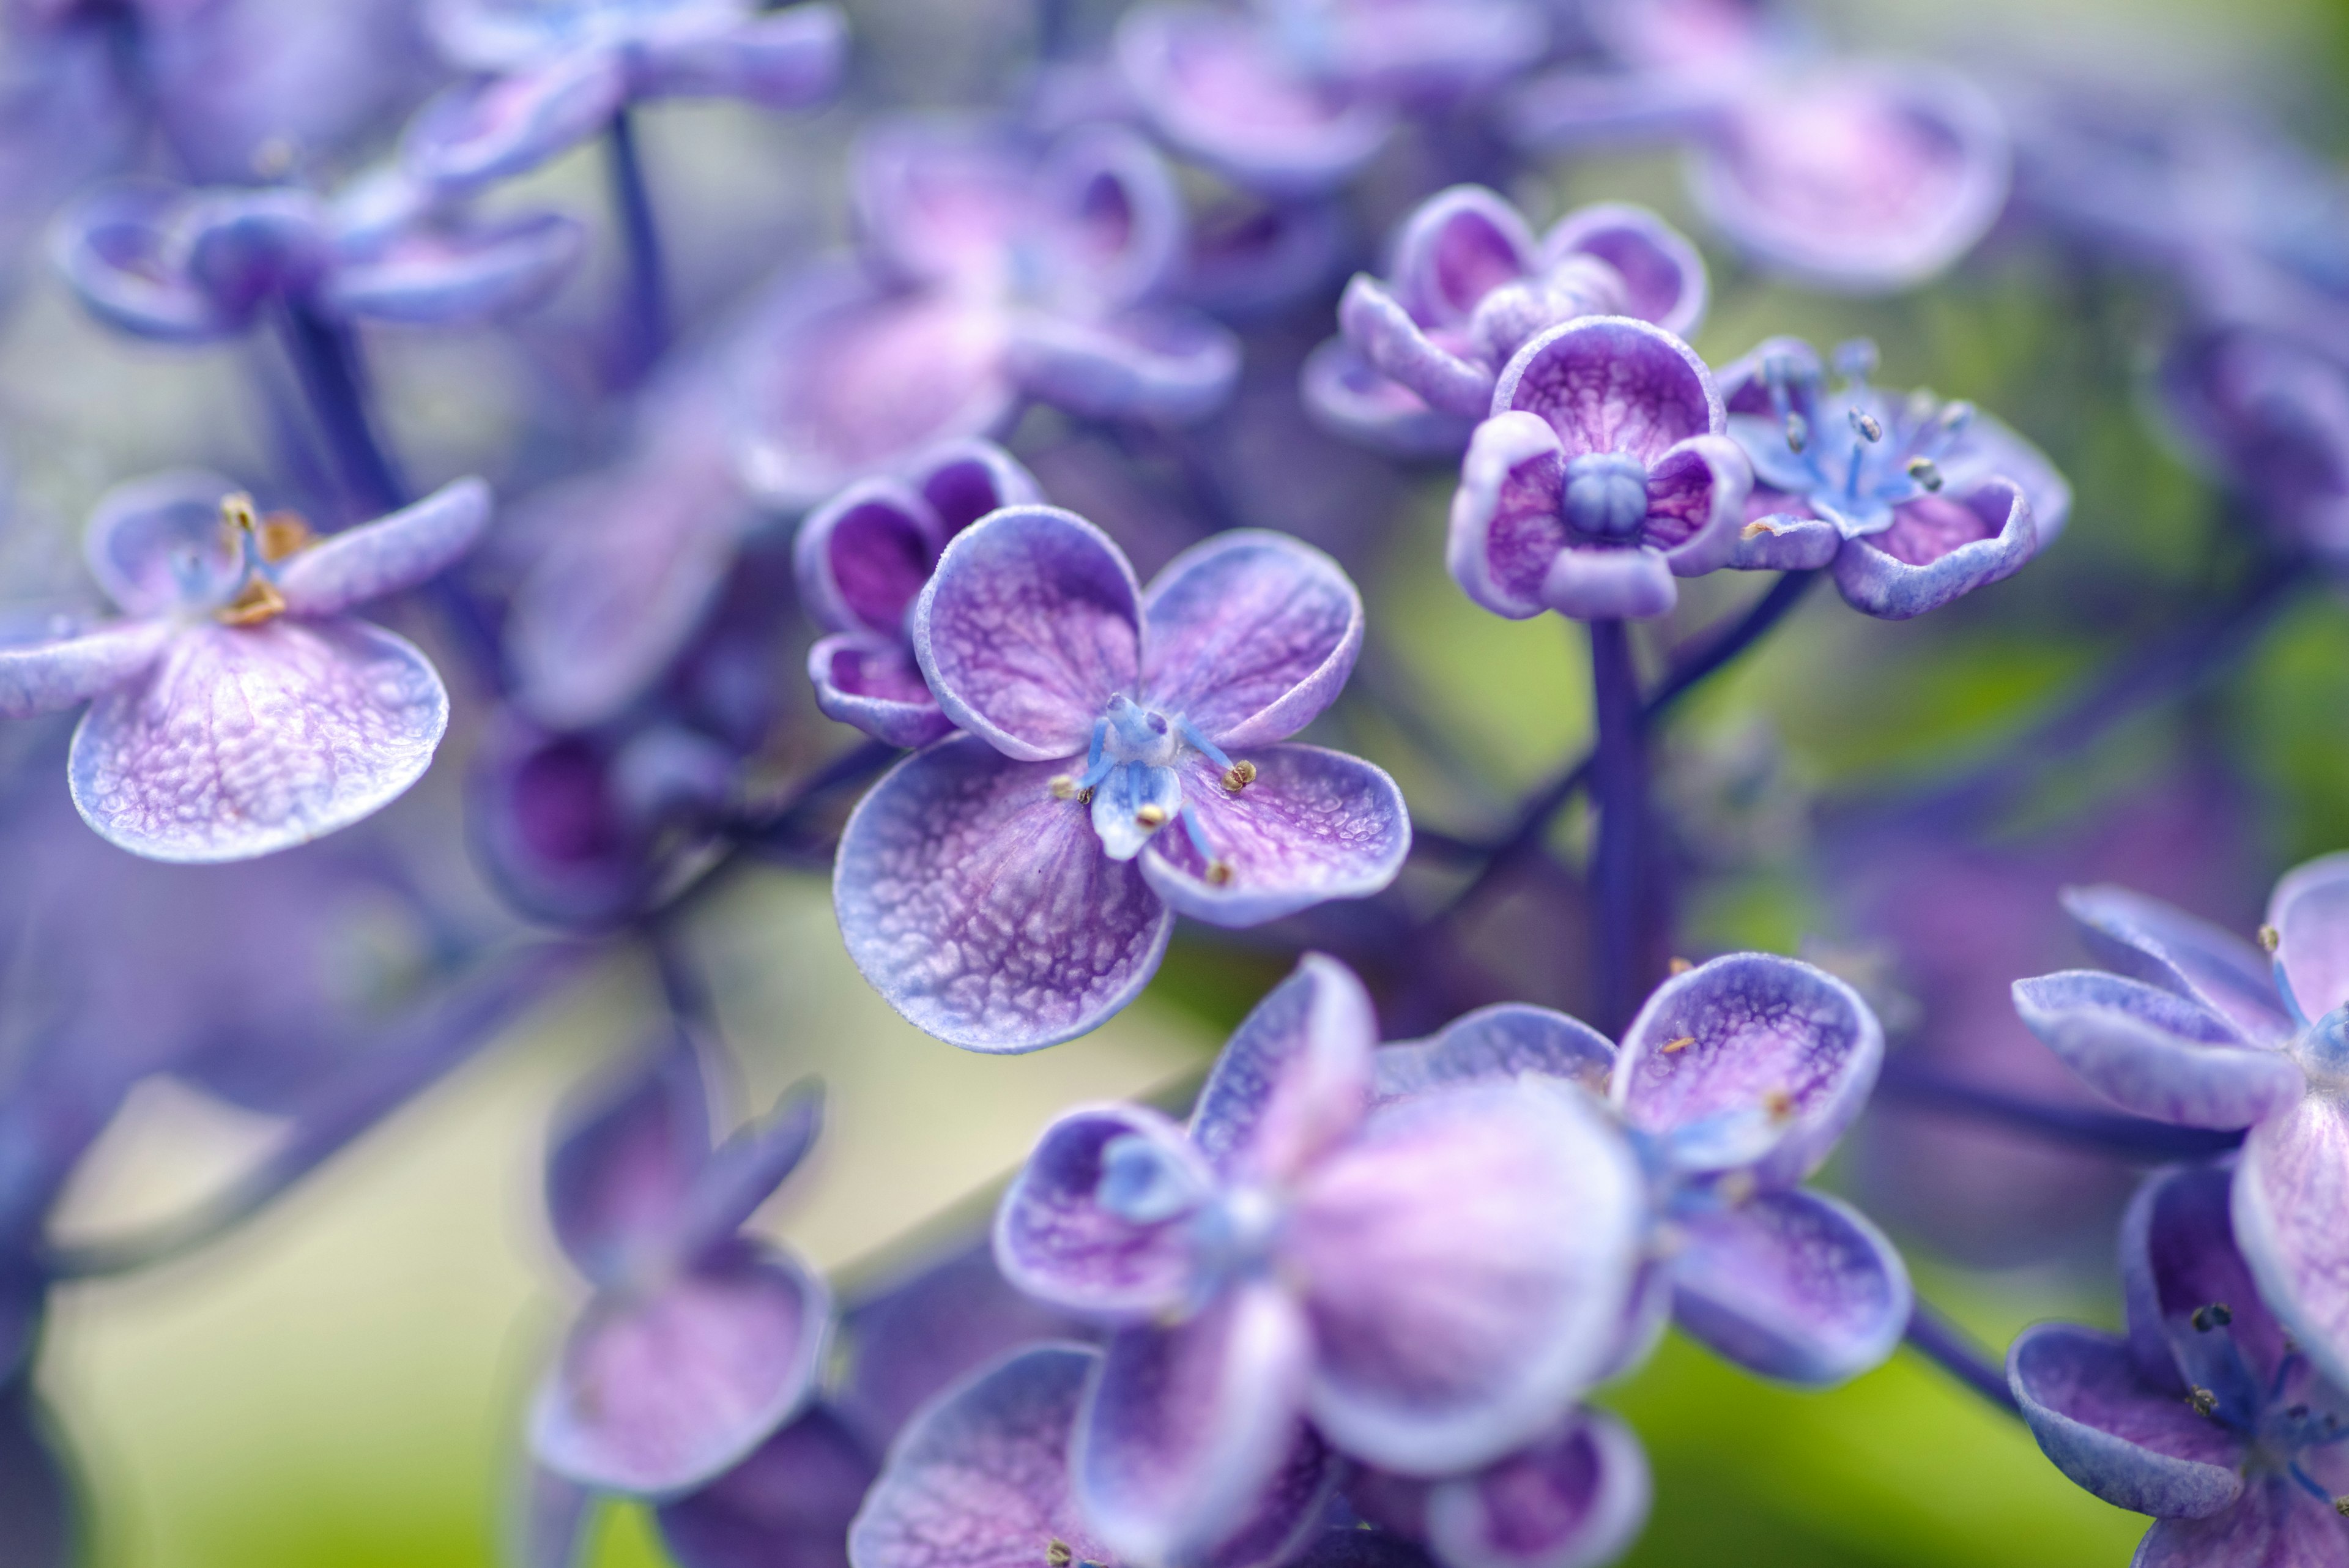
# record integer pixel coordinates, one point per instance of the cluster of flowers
(1354, 1311)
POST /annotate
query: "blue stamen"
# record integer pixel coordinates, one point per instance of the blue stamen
(1197, 833)
(1204, 746)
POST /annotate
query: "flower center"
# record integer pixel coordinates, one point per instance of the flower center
(261, 542)
(1892, 454)
(1606, 496)
(1134, 787)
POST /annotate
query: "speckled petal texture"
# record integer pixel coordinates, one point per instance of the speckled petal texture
(2290, 1190)
(241, 741)
(1496, 1044)
(1791, 1285)
(873, 682)
(1611, 384)
(2134, 1446)
(1295, 1078)
(2276, 1525)
(983, 909)
(1249, 636)
(1506, 530)
(1315, 825)
(2156, 1053)
(1056, 1241)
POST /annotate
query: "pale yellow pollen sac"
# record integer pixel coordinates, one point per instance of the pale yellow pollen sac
(2340, 1506)
(2271, 938)
(1674, 1047)
(2203, 1401)
(1779, 1103)
(237, 515)
(1755, 529)
(1238, 776)
(282, 533)
(1219, 873)
(256, 602)
(1678, 966)
(1058, 1555)
(1063, 787)
(1150, 816)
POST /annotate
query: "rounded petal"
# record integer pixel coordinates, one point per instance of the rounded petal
(1295, 1078)
(1030, 625)
(2164, 946)
(1249, 635)
(788, 1505)
(659, 1393)
(2291, 1190)
(1061, 1239)
(1160, 364)
(1313, 826)
(964, 480)
(2135, 1447)
(1611, 384)
(1609, 582)
(1989, 449)
(493, 128)
(1663, 277)
(113, 248)
(873, 684)
(1507, 529)
(786, 58)
(861, 557)
(1346, 395)
(2154, 1052)
(2275, 1525)
(1937, 548)
(1383, 333)
(619, 1172)
(1782, 542)
(239, 741)
(1696, 504)
(1751, 1061)
(1576, 1498)
(157, 544)
(2179, 1258)
(435, 277)
(548, 824)
(1467, 1258)
(409, 548)
(982, 908)
(1456, 247)
(2308, 912)
(1494, 1044)
(1791, 1285)
(47, 677)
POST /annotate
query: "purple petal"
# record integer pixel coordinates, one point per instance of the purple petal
(2161, 945)
(2178, 1259)
(1696, 504)
(2308, 912)
(1663, 277)
(1162, 364)
(964, 480)
(982, 908)
(431, 277)
(1494, 1044)
(617, 1176)
(658, 1393)
(1608, 582)
(743, 1172)
(1791, 1285)
(1750, 1061)
(111, 249)
(1295, 1078)
(2156, 1053)
(1432, 51)
(1384, 334)
(410, 548)
(158, 543)
(1098, 1222)
(239, 741)
(863, 557)
(1784, 542)
(1507, 530)
(1457, 246)
(1249, 635)
(939, 198)
(549, 828)
(1448, 1331)
(1350, 398)
(873, 684)
(1117, 216)
(2135, 1447)
(1029, 625)
(1939, 548)
(2290, 1188)
(1313, 826)
(2274, 1525)
(1744, 382)
(1187, 1430)
(781, 59)
(1575, 1497)
(787, 1506)
(1988, 449)
(1611, 384)
(494, 128)
(46, 677)
(2266, 409)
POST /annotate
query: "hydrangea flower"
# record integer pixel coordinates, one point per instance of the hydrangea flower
(2269, 413)
(2204, 1414)
(994, 271)
(862, 560)
(1910, 502)
(1012, 886)
(790, 1501)
(238, 708)
(1575, 1497)
(553, 73)
(1471, 284)
(699, 1343)
(1430, 1283)
(1602, 475)
(1735, 1080)
(2205, 1031)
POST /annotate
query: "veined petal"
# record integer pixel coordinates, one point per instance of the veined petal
(493, 128)
(1314, 826)
(410, 546)
(1162, 363)
(619, 1173)
(863, 557)
(2156, 1053)
(158, 544)
(1249, 635)
(239, 741)
(2291, 1190)
(873, 684)
(1495, 1045)
(1696, 504)
(2310, 914)
(2164, 946)
(1384, 334)
(1456, 247)
(1663, 277)
(436, 277)
(1507, 528)
(1346, 395)
(2274, 1524)
(1791, 1285)
(1575, 1497)
(46, 677)
(964, 480)
(781, 59)
(1937, 548)
(1295, 1078)
(1030, 625)
(1099, 1220)
(1613, 384)
(2135, 1447)
(981, 907)
(788, 1505)
(1448, 1332)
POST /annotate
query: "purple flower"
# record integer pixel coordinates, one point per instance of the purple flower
(1735, 1080)
(1012, 886)
(2204, 1414)
(555, 72)
(862, 560)
(699, 1343)
(2269, 413)
(2207, 1032)
(1429, 1282)
(1471, 285)
(788, 1505)
(1575, 1497)
(237, 708)
(1910, 500)
(994, 272)
(199, 265)
(1602, 475)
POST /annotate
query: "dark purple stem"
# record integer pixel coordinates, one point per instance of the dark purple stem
(2114, 1133)
(646, 326)
(1620, 777)
(326, 360)
(1954, 1351)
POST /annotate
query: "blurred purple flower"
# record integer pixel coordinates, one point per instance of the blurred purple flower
(2268, 412)
(1909, 501)
(1576, 1497)
(40, 1523)
(238, 708)
(2205, 1413)
(699, 1342)
(1602, 475)
(1429, 1282)
(1003, 898)
(788, 1505)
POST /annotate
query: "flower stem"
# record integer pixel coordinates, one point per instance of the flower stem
(2113, 1133)
(1953, 1350)
(645, 316)
(326, 360)
(1620, 777)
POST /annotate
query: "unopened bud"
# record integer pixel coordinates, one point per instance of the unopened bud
(1867, 425)
(1798, 432)
(2271, 938)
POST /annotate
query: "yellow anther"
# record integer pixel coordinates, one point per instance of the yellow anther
(256, 602)
(2203, 1401)
(282, 534)
(1219, 873)
(1058, 1555)
(1736, 1189)
(1779, 1103)
(1679, 966)
(1239, 776)
(237, 515)
(2340, 1506)
(1672, 1047)
(1755, 529)
(2270, 938)
(1063, 786)
(1150, 816)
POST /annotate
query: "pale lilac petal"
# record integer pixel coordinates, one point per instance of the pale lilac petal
(1184, 1429)
(1457, 246)
(1295, 1078)
(435, 277)
(982, 908)
(780, 59)
(1752, 1060)
(239, 741)
(1433, 52)
(1988, 449)
(1696, 504)
(410, 548)
(1384, 334)
(1575, 1497)
(1352, 398)
(2162, 945)
(160, 543)
(46, 677)
(1507, 528)
(1937, 548)
(2156, 1053)
(2308, 912)
(1313, 826)
(1498, 1044)
(110, 247)
(964, 480)
(2291, 1190)
(1118, 221)
(744, 1171)
(787, 1506)
(1610, 582)
(1448, 1331)
(941, 197)
(1249, 635)
(1161, 364)
(1098, 1222)
(1791, 1285)
(873, 684)
(1252, 256)
(1030, 625)
(2179, 1258)
(2274, 1525)
(618, 1174)
(494, 128)
(1611, 384)
(2135, 1447)
(863, 557)
(1663, 277)
(1784, 542)
(659, 1393)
